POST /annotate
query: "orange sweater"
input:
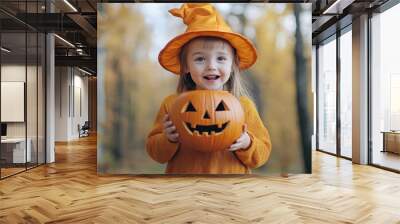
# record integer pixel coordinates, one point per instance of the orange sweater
(182, 161)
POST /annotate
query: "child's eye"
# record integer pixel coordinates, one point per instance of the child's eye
(221, 58)
(200, 59)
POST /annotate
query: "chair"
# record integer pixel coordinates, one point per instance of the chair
(84, 130)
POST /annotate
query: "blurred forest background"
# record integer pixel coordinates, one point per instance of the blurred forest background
(132, 84)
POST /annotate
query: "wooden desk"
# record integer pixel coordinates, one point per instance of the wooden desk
(15, 148)
(391, 141)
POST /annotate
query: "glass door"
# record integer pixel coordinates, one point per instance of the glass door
(385, 89)
(13, 105)
(22, 67)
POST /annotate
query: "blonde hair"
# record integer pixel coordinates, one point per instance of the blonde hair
(235, 84)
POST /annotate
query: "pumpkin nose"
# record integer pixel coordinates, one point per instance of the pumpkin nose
(206, 116)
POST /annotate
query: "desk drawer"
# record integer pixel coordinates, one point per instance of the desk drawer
(19, 154)
(392, 142)
(6, 154)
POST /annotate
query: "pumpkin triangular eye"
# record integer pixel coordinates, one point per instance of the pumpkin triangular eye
(221, 107)
(190, 108)
(206, 116)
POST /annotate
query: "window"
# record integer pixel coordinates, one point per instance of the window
(385, 89)
(346, 94)
(327, 96)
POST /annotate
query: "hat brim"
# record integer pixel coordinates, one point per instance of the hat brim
(169, 55)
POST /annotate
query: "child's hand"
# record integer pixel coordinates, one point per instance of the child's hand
(170, 129)
(242, 142)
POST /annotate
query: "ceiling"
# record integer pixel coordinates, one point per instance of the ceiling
(77, 25)
(332, 15)
(76, 22)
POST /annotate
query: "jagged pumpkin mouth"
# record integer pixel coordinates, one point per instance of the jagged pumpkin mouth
(206, 129)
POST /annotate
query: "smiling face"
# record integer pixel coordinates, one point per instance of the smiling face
(207, 120)
(209, 62)
(205, 130)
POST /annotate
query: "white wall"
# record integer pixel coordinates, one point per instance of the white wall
(71, 93)
(13, 73)
(61, 103)
(80, 110)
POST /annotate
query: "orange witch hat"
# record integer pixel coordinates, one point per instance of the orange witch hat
(203, 20)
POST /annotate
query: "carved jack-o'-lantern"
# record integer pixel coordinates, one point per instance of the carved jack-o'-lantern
(207, 120)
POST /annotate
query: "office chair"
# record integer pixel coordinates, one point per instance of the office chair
(84, 130)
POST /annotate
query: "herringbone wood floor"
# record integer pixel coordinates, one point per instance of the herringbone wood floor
(69, 191)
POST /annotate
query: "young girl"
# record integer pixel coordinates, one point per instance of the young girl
(208, 56)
